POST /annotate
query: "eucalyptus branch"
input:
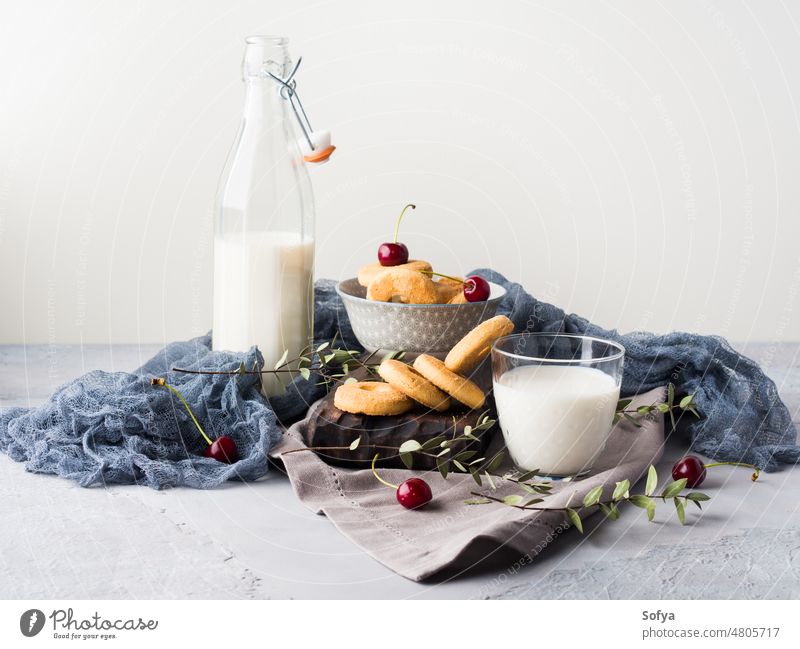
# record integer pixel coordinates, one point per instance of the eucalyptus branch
(332, 365)
(593, 500)
(686, 404)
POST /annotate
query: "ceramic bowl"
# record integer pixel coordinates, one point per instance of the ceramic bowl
(430, 328)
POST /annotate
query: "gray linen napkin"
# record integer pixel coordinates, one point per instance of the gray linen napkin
(448, 537)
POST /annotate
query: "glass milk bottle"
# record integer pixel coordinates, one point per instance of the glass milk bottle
(264, 223)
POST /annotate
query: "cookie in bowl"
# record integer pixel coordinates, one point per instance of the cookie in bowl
(431, 328)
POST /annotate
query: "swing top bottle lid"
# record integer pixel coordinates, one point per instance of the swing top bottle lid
(268, 56)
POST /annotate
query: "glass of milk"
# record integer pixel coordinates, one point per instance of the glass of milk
(556, 396)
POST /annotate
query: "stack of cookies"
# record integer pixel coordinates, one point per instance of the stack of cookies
(430, 382)
(409, 283)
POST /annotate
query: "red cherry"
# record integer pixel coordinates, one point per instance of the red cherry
(392, 254)
(413, 493)
(692, 468)
(476, 289)
(223, 449)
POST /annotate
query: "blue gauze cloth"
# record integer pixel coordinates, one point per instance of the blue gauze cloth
(105, 428)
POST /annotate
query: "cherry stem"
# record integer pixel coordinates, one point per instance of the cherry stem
(336, 448)
(450, 277)
(756, 470)
(400, 218)
(377, 477)
(162, 383)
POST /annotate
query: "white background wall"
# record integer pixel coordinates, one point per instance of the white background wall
(635, 162)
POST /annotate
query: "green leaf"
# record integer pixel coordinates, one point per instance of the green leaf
(409, 446)
(495, 462)
(621, 490)
(477, 501)
(662, 407)
(443, 464)
(305, 373)
(354, 444)
(533, 501)
(463, 456)
(576, 520)
(670, 394)
(652, 481)
(477, 461)
(612, 512)
(651, 510)
(593, 496)
(351, 380)
(643, 410)
(513, 500)
(527, 475)
(459, 466)
(408, 460)
(674, 488)
(681, 509)
(488, 477)
(686, 401)
(616, 419)
(241, 369)
(329, 357)
(433, 442)
(444, 452)
(476, 476)
(467, 430)
(324, 345)
(640, 501)
(623, 403)
(630, 419)
(282, 359)
(696, 497)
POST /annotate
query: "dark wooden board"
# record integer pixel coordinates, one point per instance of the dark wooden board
(333, 427)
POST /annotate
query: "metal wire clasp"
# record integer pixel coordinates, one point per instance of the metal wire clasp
(318, 141)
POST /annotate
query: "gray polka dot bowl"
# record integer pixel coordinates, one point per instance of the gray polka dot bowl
(430, 328)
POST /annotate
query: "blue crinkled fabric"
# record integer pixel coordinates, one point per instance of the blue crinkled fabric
(743, 418)
(115, 428)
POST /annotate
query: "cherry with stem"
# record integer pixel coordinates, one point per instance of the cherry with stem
(693, 469)
(411, 493)
(222, 449)
(395, 253)
(476, 289)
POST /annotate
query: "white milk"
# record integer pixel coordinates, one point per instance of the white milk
(263, 288)
(555, 418)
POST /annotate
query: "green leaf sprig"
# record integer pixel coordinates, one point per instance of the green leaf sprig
(593, 500)
(324, 363)
(670, 407)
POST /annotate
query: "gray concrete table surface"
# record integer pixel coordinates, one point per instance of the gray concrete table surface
(58, 540)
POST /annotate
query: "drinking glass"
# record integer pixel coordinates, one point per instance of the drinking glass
(556, 397)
